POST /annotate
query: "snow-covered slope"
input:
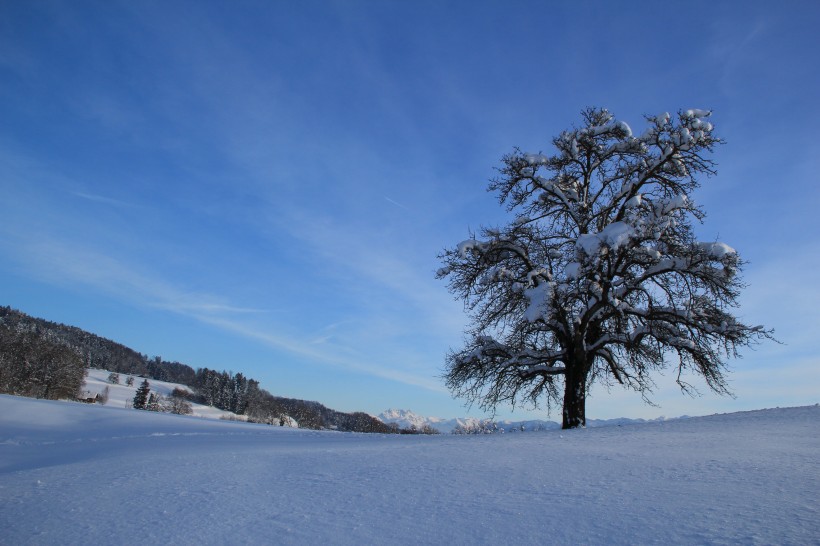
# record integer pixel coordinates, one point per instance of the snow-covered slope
(72, 473)
(120, 395)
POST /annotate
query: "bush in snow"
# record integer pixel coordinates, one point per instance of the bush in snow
(600, 276)
(413, 429)
(153, 403)
(102, 397)
(479, 427)
(177, 405)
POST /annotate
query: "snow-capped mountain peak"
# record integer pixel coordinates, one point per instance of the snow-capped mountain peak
(408, 419)
(403, 418)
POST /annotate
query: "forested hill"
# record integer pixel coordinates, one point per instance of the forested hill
(96, 351)
(30, 346)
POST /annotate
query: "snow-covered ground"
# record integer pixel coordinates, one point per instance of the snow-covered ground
(72, 473)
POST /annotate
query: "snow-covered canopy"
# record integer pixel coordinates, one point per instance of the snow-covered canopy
(600, 264)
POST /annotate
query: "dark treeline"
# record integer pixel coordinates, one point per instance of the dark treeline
(240, 395)
(172, 372)
(45, 359)
(224, 390)
(319, 416)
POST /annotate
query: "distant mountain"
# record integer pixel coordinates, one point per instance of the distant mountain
(408, 419)
(404, 418)
(473, 425)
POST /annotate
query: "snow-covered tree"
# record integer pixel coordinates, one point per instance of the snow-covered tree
(154, 402)
(600, 276)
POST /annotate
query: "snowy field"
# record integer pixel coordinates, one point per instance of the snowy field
(72, 473)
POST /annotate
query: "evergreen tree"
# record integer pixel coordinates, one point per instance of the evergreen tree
(141, 396)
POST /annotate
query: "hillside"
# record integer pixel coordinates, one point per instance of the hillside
(121, 395)
(96, 351)
(71, 474)
(44, 359)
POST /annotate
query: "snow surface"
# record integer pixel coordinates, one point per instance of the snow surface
(72, 473)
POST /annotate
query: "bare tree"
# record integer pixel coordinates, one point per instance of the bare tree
(102, 397)
(177, 405)
(600, 276)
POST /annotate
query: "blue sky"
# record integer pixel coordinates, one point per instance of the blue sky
(264, 186)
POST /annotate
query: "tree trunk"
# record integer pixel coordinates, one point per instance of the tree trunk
(575, 392)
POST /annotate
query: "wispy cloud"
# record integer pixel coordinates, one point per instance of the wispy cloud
(326, 353)
(61, 262)
(383, 266)
(104, 200)
(391, 201)
(734, 49)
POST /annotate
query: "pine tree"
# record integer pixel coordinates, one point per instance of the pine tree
(141, 396)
